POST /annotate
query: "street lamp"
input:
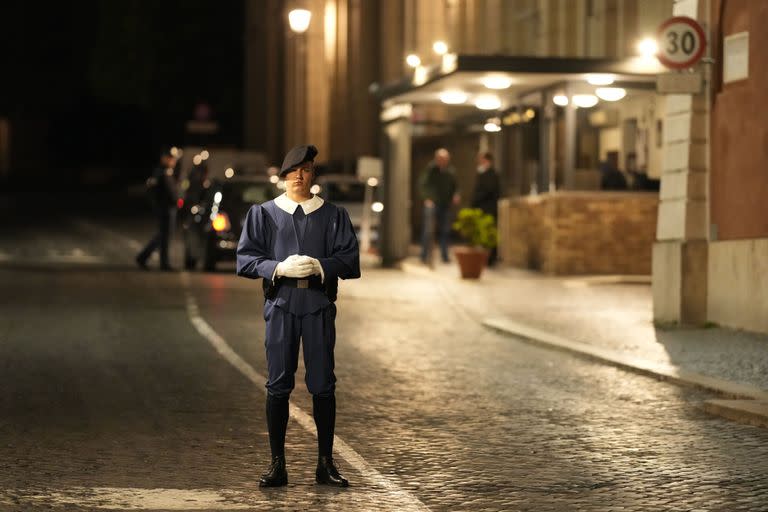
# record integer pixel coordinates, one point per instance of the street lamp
(298, 20)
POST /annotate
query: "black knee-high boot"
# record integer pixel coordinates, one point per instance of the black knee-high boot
(324, 412)
(277, 423)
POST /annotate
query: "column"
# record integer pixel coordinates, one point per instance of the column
(396, 160)
(681, 251)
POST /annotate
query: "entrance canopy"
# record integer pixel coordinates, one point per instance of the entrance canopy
(500, 83)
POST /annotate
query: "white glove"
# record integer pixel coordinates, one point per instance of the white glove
(295, 266)
(317, 268)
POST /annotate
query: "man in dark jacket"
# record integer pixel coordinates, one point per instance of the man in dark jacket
(438, 190)
(164, 194)
(486, 194)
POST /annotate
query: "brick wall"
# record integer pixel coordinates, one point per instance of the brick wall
(579, 232)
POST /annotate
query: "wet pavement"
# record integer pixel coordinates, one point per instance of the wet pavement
(612, 312)
(123, 389)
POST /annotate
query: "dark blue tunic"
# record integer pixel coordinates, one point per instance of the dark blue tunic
(269, 236)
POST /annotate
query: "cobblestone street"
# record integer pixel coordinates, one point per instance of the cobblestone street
(121, 389)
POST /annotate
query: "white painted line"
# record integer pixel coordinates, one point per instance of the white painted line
(52, 256)
(117, 498)
(408, 500)
(88, 225)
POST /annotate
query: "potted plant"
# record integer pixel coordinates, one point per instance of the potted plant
(479, 230)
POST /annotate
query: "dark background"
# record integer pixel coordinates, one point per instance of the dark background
(92, 89)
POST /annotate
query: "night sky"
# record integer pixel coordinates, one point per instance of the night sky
(105, 84)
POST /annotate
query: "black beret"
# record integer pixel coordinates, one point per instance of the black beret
(296, 157)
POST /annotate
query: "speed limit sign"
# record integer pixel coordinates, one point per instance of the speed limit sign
(681, 42)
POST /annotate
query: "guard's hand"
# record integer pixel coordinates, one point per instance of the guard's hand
(295, 266)
(316, 267)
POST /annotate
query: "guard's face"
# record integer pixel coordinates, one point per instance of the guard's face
(299, 180)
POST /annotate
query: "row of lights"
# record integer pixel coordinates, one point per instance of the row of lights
(494, 124)
(483, 101)
(201, 157)
(439, 47)
(590, 100)
(648, 48)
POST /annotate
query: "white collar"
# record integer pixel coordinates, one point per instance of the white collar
(288, 205)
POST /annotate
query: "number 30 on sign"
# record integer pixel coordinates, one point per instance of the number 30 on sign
(681, 42)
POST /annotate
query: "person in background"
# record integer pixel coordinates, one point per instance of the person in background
(611, 178)
(437, 186)
(163, 192)
(486, 193)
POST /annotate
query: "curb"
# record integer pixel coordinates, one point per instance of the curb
(749, 404)
(751, 412)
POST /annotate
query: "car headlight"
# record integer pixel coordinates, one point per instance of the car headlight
(220, 222)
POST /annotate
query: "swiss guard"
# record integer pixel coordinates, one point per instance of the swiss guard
(300, 246)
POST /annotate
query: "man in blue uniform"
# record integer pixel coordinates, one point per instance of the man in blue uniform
(300, 246)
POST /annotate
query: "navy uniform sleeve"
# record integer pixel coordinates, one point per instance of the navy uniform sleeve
(344, 259)
(253, 251)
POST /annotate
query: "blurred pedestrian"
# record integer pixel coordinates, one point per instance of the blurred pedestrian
(437, 186)
(611, 178)
(163, 192)
(300, 246)
(486, 193)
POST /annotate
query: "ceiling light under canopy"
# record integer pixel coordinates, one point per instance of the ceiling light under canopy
(453, 97)
(584, 100)
(600, 79)
(488, 102)
(610, 93)
(497, 82)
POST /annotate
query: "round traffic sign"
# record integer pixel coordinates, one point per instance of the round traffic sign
(681, 42)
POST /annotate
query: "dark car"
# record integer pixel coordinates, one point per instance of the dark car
(212, 227)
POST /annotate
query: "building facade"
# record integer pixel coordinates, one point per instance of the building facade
(709, 227)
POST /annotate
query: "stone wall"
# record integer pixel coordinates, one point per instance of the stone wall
(738, 284)
(579, 232)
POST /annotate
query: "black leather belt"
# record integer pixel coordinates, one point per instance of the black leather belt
(311, 282)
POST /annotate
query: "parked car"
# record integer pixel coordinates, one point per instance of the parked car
(212, 227)
(349, 191)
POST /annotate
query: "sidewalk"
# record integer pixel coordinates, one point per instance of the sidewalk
(609, 319)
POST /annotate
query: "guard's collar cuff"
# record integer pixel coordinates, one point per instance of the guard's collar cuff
(289, 205)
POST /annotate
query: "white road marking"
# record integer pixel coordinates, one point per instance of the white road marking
(88, 225)
(408, 500)
(125, 498)
(75, 255)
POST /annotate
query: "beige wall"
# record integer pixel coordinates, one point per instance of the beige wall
(738, 284)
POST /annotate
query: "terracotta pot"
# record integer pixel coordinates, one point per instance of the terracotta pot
(472, 261)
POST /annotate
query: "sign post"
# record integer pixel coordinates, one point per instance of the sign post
(682, 44)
